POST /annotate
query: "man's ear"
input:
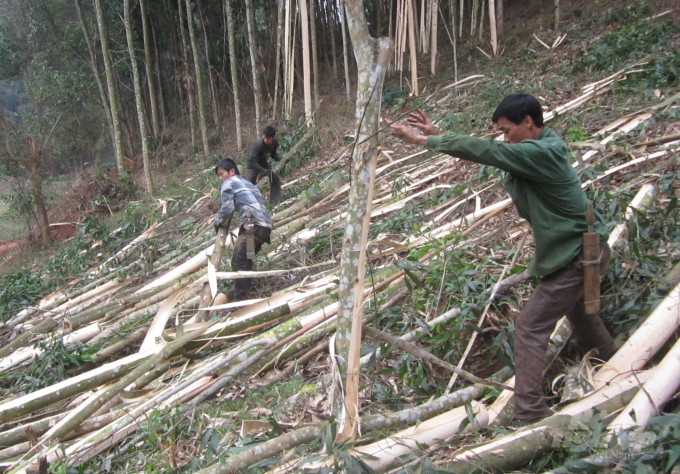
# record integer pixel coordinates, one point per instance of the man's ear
(528, 121)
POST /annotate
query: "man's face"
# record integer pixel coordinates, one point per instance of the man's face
(224, 174)
(268, 140)
(513, 133)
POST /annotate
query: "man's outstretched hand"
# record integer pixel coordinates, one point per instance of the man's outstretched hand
(406, 134)
(422, 122)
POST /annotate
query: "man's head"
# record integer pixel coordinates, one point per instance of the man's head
(519, 117)
(226, 168)
(268, 134)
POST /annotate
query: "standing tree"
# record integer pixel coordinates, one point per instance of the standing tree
(253, 62)
(138, 97)
(277, 63)
(345, 48)
(111, 83)
(372, 56)
(199, 80)
(186, 75)
(307, 86)
(151, 84)
(234, 74)
(315, 56)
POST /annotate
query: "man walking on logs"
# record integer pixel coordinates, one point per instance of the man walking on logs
(255, 224)
(258, 163)
(547, 193)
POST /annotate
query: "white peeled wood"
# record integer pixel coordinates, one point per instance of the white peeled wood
(160, 320)
(655, 393)
(380, 455)
(645, 342)
(642, 201)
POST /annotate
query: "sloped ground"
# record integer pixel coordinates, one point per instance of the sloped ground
(438, 245)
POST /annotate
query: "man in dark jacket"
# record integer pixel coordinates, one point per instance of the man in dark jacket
(237, 194)
(258, 162)
(547, 193)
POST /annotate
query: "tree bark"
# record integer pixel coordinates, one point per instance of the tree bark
(211, 75)
(95, 70)
(413, 56)
(187, 76)
(252, 43)
(315, 55)
(36, 190)
(433, 36)
(373, 56)
(199, 80)
(499, 16)
(345, 49)
(111, 83)
(492, 27)
(234, 73)
(150, 77)
(138, 97)
(307, 83)
(277, 63)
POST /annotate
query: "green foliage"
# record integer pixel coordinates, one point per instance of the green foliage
(612, 50)
(50, 367)
(393, 96)
(659, 72)
(576, 134)
(631, 12)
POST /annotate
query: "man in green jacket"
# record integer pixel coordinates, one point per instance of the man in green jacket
(547, 193)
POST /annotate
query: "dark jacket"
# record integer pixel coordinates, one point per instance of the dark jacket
(259, 154)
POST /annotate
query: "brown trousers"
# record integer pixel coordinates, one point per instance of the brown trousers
(240, 261)
(559, 294)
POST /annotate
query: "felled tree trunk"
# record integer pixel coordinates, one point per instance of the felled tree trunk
(372, 57)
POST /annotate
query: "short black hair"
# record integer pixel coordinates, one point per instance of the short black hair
(515, 107)
(269, 131)
(227, 164)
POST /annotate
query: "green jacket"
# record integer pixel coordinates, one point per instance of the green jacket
(544, 187)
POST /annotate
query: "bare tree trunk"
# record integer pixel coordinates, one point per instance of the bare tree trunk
(315, 55)
(157, 69)
(473, 17)
(373, 56)
(95, 70)
(433, 36)
(307, 86)
(211, 75)
(252, 42)
(187, 76)
(150, 79)
(5, 132)
(460, 26)
(234, 72)
(345, 49)
(454, 38)
(277, 63)
(492, 27)
(138, 98)
(499, 16)
(110, 80)
(199, 80)
(557, 15)
(36, 190)
(412, 48)
(328, 6)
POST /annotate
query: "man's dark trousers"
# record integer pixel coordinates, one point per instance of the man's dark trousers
(559, 294)
(240, 261)
(251, 175)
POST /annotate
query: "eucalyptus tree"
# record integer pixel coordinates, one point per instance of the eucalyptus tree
(138, 98)
(199, 80)
(150, 79)
(252, 46)
(372, 56)
(111, 85)
(234, 73)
